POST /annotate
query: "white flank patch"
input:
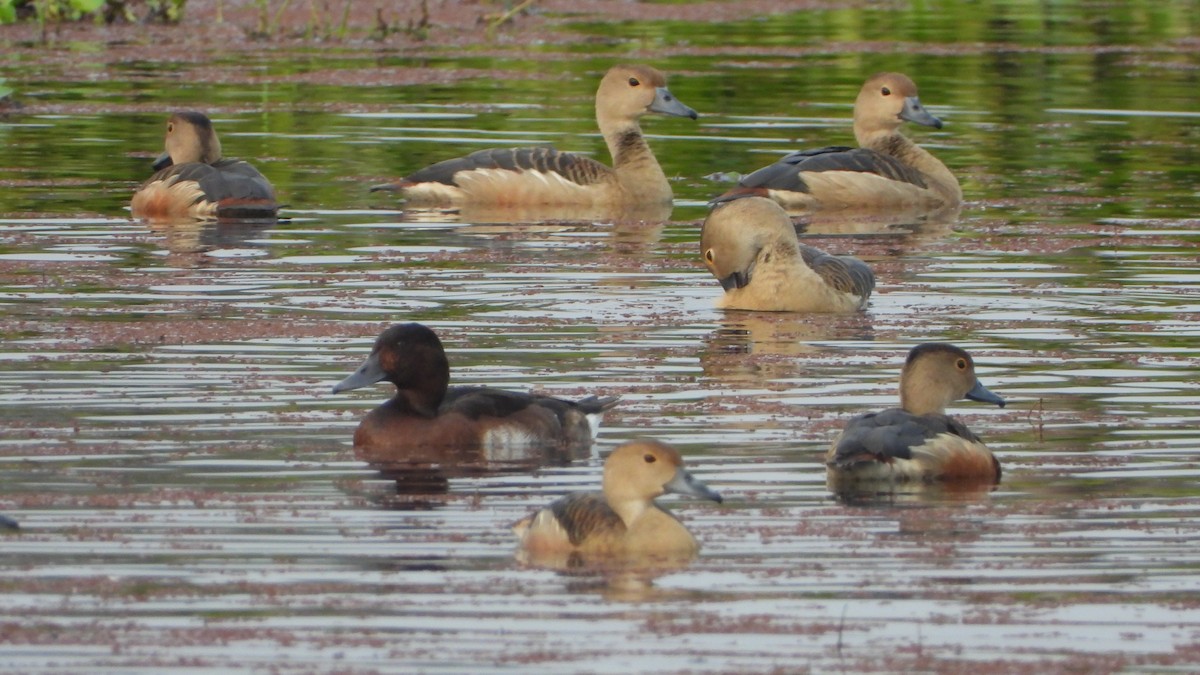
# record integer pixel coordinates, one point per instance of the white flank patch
(594, 420)
(508, 443)
(434, 193)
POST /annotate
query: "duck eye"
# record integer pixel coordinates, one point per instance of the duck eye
(886, 92)
(170, 127)
(961, 363)
(633, 82)
(650, 459)
(708, 255)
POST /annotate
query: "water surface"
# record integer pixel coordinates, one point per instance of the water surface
(184, 481)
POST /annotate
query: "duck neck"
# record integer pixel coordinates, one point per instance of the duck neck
(629, 510)
(624, 498)
(895, 144)
(920, 400)
(634, 163)
(423, 388)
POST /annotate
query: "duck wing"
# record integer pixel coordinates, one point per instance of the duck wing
(476, 402)
(575, 168)
(233, 184)
(891, 434)
(584, 515)
(844, 273)
(787, 174)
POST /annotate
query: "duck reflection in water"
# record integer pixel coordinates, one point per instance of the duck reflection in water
(907, 224)
(755, 348)
(533, 215)
(637, 231)
(185, 237)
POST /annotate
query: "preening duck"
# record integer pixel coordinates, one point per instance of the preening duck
(750, 246)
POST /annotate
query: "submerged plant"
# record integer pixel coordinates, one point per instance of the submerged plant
(268, 21)
(167, 11)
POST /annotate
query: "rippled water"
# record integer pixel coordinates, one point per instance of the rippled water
(188, 496)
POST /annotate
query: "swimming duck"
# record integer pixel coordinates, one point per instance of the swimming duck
(428, 413)
(622, 518)
(886, 170)
(545, 176)
(750, 246)
(193, 181)
(918, 441)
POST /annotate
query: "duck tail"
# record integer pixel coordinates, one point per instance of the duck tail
(596, 404)
(395, 186)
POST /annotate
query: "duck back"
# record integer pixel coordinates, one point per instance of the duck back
(228, 188)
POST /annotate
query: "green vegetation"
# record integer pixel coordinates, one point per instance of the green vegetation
(109, 11)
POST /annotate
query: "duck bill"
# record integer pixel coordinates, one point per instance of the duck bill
(666, 104)
(368, 373)
(984, 395)
(917, 114)
(684, 483)
(735, 280)
(163, 161)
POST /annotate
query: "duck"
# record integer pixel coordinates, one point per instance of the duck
(750, 246)
(887, 170)
(918, 441)
(524, 177)
(622, 518)
(193, 181)
(428, 416)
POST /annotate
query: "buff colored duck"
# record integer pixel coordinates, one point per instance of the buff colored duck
(918, 441)
(623, 518)
(192, 181)
(750, 246)
(887, 170)
(526, 177)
